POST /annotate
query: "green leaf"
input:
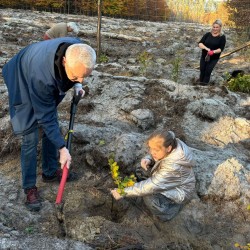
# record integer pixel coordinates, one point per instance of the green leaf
(29, 230)
(102, 142)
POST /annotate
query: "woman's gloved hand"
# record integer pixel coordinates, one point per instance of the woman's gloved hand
(210, 52)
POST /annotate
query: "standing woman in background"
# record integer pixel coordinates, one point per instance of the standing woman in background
(212, 44)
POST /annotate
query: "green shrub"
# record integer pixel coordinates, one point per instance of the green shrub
(103, 58)
(144, 58)
(240, 83)
(176, 68)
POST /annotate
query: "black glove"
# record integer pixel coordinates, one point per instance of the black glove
(207, 58)
(86, 89)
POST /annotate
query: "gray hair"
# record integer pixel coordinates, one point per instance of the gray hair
(81, 53)
(73, 26)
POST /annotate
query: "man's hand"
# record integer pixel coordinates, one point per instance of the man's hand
(145, 163)
(65, 157)
(115, 194)
(78, 90)
(210, 52)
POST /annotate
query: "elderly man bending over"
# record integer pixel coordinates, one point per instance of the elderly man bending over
(37, 79)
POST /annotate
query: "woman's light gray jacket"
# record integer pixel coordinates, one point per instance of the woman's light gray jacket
(172, 176)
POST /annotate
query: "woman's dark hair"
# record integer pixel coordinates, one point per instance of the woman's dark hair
(168, 137)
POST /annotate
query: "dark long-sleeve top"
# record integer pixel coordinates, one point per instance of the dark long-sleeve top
(36, 84)
(213, 43)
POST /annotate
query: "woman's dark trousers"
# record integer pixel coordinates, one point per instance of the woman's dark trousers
(206, 69)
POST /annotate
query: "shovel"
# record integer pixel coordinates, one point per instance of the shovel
(74, 102)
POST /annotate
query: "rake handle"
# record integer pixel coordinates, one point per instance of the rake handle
(62, 184)
(74, 102)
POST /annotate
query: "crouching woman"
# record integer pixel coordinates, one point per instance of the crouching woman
(166, 178)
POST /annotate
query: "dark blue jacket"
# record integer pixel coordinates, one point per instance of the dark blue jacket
(34, 91)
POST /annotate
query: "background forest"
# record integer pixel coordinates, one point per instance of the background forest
(234, 13)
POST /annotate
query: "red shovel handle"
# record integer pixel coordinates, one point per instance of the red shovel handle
(62, 185)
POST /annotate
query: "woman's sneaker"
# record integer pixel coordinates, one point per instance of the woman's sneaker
(33, 202)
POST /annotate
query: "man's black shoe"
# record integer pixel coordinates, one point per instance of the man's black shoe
(203, 84)
(57, 176)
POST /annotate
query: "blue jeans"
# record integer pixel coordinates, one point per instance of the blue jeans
(29, 158)
(163, 208)
(159, 205)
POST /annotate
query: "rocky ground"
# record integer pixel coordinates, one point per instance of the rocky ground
(132, 94)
